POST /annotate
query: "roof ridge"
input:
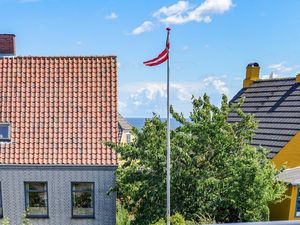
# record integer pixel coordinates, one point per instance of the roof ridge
(91, 56)
(289, 169)
(275, 79)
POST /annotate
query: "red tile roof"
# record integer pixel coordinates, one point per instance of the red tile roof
(60, 109)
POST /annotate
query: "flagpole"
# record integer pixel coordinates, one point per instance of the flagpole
(168, 136)
(162, 57)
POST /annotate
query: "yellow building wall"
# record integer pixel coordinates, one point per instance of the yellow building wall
(124, 137)
(293, 203)
(289, 155)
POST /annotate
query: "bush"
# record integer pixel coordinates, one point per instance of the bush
(123, 217)
(176, 219)
(24, 220)
(205, 219)
(5, 221)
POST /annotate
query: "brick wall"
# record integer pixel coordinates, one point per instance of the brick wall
(7, 44)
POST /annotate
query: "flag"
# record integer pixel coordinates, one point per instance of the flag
(162, 57)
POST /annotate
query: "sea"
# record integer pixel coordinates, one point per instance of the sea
(139, 122)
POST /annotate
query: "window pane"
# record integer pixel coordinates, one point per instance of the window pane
(83, 211)
(36, 186)
(82, 197)
(82, 187)
(4, 131)
(36, 199)
(37, 203)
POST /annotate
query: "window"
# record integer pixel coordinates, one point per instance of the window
(36, 199)
(128, 138)
(297, 213)
(1, 206)
(83, 200)
(4, 132)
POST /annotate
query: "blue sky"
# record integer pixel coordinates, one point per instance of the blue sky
(212, 41)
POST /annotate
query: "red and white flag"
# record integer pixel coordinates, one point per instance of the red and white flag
(162, 57)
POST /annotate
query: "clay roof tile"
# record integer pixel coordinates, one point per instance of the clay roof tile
(49, 100)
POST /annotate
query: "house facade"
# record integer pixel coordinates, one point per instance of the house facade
(55, 115)
(275, 104)
(124, 128)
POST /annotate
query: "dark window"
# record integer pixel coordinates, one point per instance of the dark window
(83, 200)
(36, 199)
(1, 206)
(4, 132)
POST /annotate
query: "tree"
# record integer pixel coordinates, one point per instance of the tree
(214, 171)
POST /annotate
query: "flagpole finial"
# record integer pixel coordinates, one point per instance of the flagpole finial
(168, 28)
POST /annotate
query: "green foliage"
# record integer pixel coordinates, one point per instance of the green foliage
(5, 221)
(160, 222)
(123, 217)
(214, 170)
(205, 219)
(25, 220)
(176, 219)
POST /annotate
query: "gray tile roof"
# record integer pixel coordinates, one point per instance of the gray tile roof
(290, 176)
(276, 106)
(123, 123)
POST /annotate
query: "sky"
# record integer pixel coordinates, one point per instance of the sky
(212, 41)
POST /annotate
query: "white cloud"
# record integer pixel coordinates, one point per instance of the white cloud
(175, 9)
(181, 91)
(280, 67)
(271, 76)
(181, 12)
(112, 16)
(150, 97)
(150, 91)
(218, 85)
(144, 27)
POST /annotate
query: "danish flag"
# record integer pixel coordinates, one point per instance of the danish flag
(162, 57)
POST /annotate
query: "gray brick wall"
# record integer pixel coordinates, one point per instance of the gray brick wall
(59, 180)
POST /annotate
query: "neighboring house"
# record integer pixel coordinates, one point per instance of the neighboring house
(55, 113)
(276, 106)
(124, 130)
(292, 178)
